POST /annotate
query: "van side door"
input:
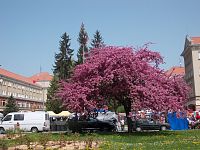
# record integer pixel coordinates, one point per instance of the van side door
(19, 121)
(7, 122)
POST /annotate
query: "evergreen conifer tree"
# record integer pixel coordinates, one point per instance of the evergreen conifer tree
(11, 106)
(53, 103)
(62, 71)
(83, 49)
(63, 60)
(97, 42)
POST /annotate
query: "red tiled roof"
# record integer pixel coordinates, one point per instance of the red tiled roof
(176, 71)
(15, 76)
(43, 76)
(195, 40)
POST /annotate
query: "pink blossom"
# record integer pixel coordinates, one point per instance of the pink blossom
(131, 77)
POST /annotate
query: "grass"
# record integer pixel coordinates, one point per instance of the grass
(189, 139)
(154, 140)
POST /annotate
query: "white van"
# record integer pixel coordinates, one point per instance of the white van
(26, 121)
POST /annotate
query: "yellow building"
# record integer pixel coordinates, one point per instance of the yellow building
(29, 92)
(191, 54)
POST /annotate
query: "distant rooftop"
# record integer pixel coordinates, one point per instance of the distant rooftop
(195, 40)
(176, 71)
(43, 76)
(15, 76)
(190, 41)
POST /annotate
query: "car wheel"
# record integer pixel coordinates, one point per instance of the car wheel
(163, 128)
(114, 130)
(105, 130)
(138, 129)
(2, 130)
(34, 130)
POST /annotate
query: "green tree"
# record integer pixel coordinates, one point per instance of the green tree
(83, 49)
(63, 60)
(53, 103)
(11, 106)
(97, 42)
(62, 71)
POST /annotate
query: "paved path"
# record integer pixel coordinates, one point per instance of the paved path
(2, 135)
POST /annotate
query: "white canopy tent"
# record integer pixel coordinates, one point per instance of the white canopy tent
(61, 114)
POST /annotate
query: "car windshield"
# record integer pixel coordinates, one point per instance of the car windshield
(7, 118)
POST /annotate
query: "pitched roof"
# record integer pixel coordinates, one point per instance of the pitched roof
(195, 40)
(176, 71)
(43, 76)
(15, 76)
(190, 41)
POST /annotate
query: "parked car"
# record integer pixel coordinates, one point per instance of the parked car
(26, 121)
(107, 116)
(90, 124)
(149, 124)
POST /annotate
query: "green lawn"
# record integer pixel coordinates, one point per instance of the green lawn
(115, 141)
(155, 140)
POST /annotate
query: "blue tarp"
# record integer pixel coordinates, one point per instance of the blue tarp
(177, 123)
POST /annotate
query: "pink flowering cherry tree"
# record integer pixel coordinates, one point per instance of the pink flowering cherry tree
(130, 77)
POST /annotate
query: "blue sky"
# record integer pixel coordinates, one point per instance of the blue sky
(30, 30)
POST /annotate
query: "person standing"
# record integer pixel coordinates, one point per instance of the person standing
(122, 124)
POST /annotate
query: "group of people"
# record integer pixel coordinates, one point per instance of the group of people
(148, 114)
(193, 118)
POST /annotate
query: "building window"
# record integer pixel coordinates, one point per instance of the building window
(14, 94)
(4, 93)
(4, 83)
(20, 105)
(3, 103)
(9, 84)
(9, 93)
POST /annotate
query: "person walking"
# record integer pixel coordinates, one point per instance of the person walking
(122, 124)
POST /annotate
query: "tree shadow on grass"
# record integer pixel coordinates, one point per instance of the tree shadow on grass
(144, 133)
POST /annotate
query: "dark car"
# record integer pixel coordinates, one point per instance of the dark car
(90, 124)
(149, 124)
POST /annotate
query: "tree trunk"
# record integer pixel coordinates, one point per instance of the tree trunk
(129, 122)
(127, 107)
